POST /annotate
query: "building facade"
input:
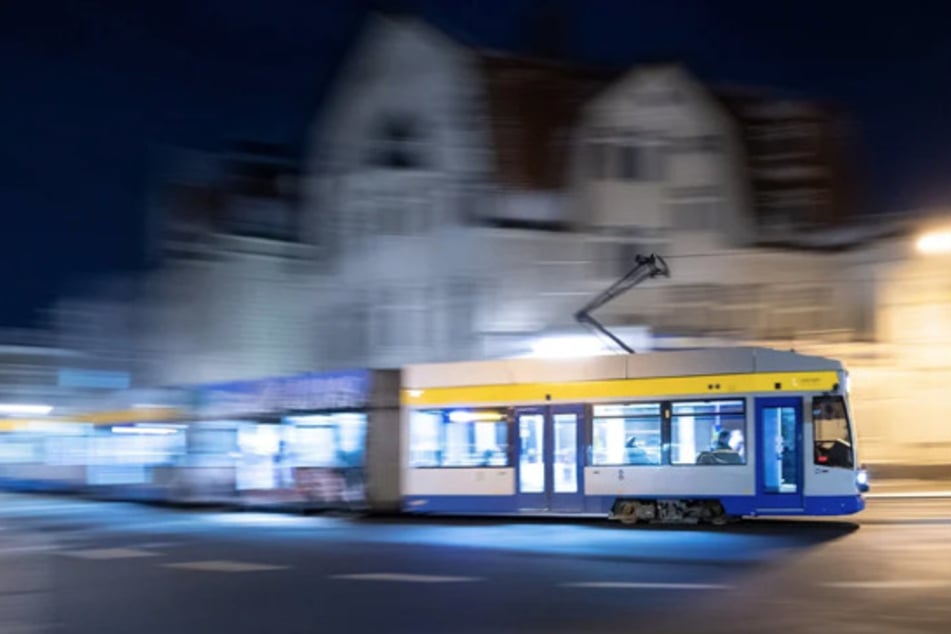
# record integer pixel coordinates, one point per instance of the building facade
(438, 183)
(458, 204)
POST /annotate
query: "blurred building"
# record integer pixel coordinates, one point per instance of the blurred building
(235, 291)
(31, 367)
(521, 187)
(231, 293)
(798, 163)
(41, 375)
(457, 203)
(439, 183)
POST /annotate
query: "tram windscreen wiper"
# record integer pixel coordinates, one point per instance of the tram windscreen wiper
(646, 267)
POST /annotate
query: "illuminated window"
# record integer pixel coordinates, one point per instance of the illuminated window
(259, 440)
(458, 438)
(424, 441)
(327, 440)
(708, 433)
(213, 438)
(831, 432)
(627, 434)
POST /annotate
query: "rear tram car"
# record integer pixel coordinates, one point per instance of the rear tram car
(704, 435)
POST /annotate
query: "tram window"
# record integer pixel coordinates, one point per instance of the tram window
(708, 433)
(213, 438)
(327, 440)
(424, 433)
(458, 438)
(627, 434)
(831, 433)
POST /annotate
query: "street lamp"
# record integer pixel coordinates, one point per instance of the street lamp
(934, 242)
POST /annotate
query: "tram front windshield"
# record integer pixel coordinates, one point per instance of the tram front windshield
(832, 432)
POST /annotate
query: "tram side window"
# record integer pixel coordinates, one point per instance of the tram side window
(458, 438)
(708, 433)
(831, 433)
(626, 434)
(327, 440)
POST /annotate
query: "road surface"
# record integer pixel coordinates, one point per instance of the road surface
(74, 566)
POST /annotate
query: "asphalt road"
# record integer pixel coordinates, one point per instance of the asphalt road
(73, 566)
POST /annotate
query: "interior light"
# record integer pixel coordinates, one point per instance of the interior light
(24, 409)
(462, 416)
(145, 431)
(414, 393)
(316, 420)
(568, 347)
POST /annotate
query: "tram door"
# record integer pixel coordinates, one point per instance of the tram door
(779, 453)
(549, 468)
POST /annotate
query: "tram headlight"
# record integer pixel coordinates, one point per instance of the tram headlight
(861, 480)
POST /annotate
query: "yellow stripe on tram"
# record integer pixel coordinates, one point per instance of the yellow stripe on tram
(712, 385)
(139, 415)
(9, 424)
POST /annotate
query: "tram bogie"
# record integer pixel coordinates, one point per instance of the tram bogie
(678, 511)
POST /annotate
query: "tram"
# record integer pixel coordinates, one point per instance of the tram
(698, 435)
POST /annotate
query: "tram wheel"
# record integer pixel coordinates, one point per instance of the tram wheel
(627, 513)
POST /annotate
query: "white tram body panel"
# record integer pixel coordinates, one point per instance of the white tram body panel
(661, 480)
(476, 481)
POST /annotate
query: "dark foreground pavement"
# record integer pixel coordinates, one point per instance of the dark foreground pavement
(72, 566)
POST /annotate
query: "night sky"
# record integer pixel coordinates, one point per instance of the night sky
(94, 90)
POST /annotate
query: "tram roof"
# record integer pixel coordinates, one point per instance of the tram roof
(744, 360)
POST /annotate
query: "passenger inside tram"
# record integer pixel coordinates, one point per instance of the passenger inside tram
(493, 457)
(722, 452)
(635, 453)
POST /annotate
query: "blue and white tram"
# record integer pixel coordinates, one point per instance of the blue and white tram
(698, 435)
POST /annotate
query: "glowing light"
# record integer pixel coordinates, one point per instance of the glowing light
(24, 409)
(569, 347)
(934, 242)
(145, 431)
(862, 477)
(460, 416)
(414, 393)
(261, 440)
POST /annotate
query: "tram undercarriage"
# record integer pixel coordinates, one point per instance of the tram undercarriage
(633, 511)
